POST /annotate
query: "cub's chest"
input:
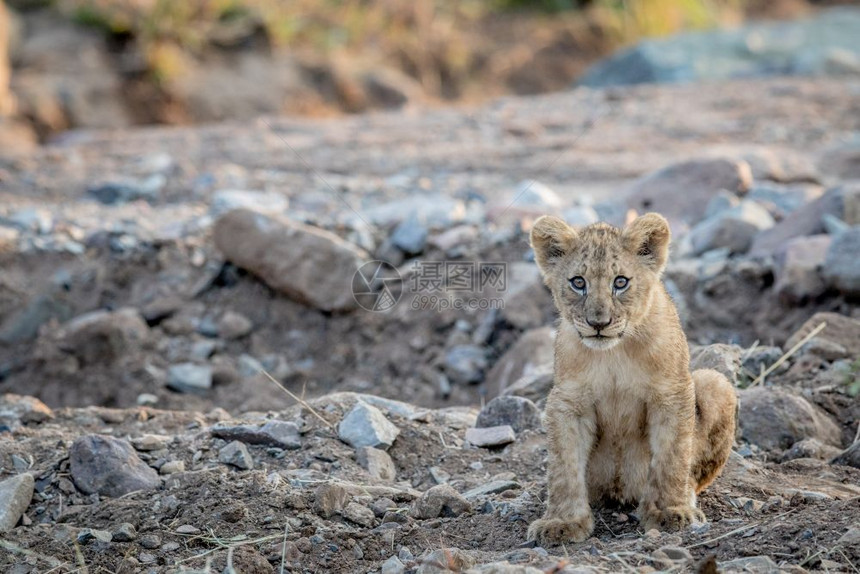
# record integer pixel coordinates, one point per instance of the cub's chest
(619, 390)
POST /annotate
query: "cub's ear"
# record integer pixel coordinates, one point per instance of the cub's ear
(648, 238)
(551, 238)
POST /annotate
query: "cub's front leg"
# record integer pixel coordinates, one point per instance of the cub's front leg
(570, 436)
(668, 501)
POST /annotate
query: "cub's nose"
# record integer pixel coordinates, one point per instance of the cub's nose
(599, 324)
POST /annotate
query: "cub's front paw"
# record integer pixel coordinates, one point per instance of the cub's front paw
(560, 530)
(672, 518)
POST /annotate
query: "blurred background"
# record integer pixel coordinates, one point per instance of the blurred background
(68, 64)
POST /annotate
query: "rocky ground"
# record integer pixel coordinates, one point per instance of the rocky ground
(150, 275)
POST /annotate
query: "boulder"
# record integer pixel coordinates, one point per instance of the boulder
(489, 437)
(807, 220)
(103, 336)
(280, 434)
(376, 462)
(236, 454)
(840, 330)
(733, 228)
(440, 500)
(725, 359)
(306, 263)
(775, 419)
(517, 412)
(841, 268)
(109, 466)
(533, 351)
(681, 191)
(798, 268)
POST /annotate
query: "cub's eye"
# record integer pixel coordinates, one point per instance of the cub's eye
(620, 283)
(578, 283)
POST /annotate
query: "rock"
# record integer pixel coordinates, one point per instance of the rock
(850, 538)
(330, 499)
(189, 378)
(492, 487)
(801, 47)
(580, 215)
(681, 191)
(761, 358)
(24, 324)
(128, 189)
(88, 535)
(15, 495)
(303, 262)
(103, 337)
(774, 419)
(534, 386)
(236, 454)
(17, 410)
(721, 202)
(533, 351)
(849, 457)
(410, 236)
(365, 425)
(841, 161)
(750, 565)
(234, 325)
(840, 330)
(172, 467)
(125, 532)
(841, 267)
(725, 359)
(32, 219)
(466, 364)
(150, 442)
(523, 295)
(444, 560)
(536, 194)
(440, 500)
(805, 221)
(393, 566)
(798, 271)
(435, 210)
(108, 466)
(733, 229)
(811, 448)
(280, 434)
(491, 436)
(360, 514)
(226, 200)
(782, 166)
(150, 541)
(669, 557)
(784, 199)
(376, 462)
(454, 238)
(517, 412)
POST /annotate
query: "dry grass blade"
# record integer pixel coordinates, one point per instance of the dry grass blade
(296, 398)
(788, 354)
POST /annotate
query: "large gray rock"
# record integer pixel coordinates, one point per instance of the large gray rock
(308, 264)
(189, 378)
(775, 419)
(841, 267)
(108, 466)
(533, 351)
(733, 228)
(365, 425)
(517, 412)
(841, 332)
(104, 336)
(798, 269)
(807, 220)
(15, 495)
(822, 45)
(720, 357)
(682, 190)
(376, 462)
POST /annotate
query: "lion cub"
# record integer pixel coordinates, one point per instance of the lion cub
(626, 419)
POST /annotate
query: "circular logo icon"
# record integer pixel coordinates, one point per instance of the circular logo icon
(377, 286)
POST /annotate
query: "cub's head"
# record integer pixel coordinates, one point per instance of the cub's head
(602, 278)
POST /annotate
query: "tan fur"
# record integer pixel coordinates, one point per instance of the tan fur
(626, 419)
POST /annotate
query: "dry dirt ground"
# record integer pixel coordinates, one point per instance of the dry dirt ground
(296, 509)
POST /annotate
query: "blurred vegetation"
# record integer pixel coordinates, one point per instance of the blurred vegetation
(426, 38)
